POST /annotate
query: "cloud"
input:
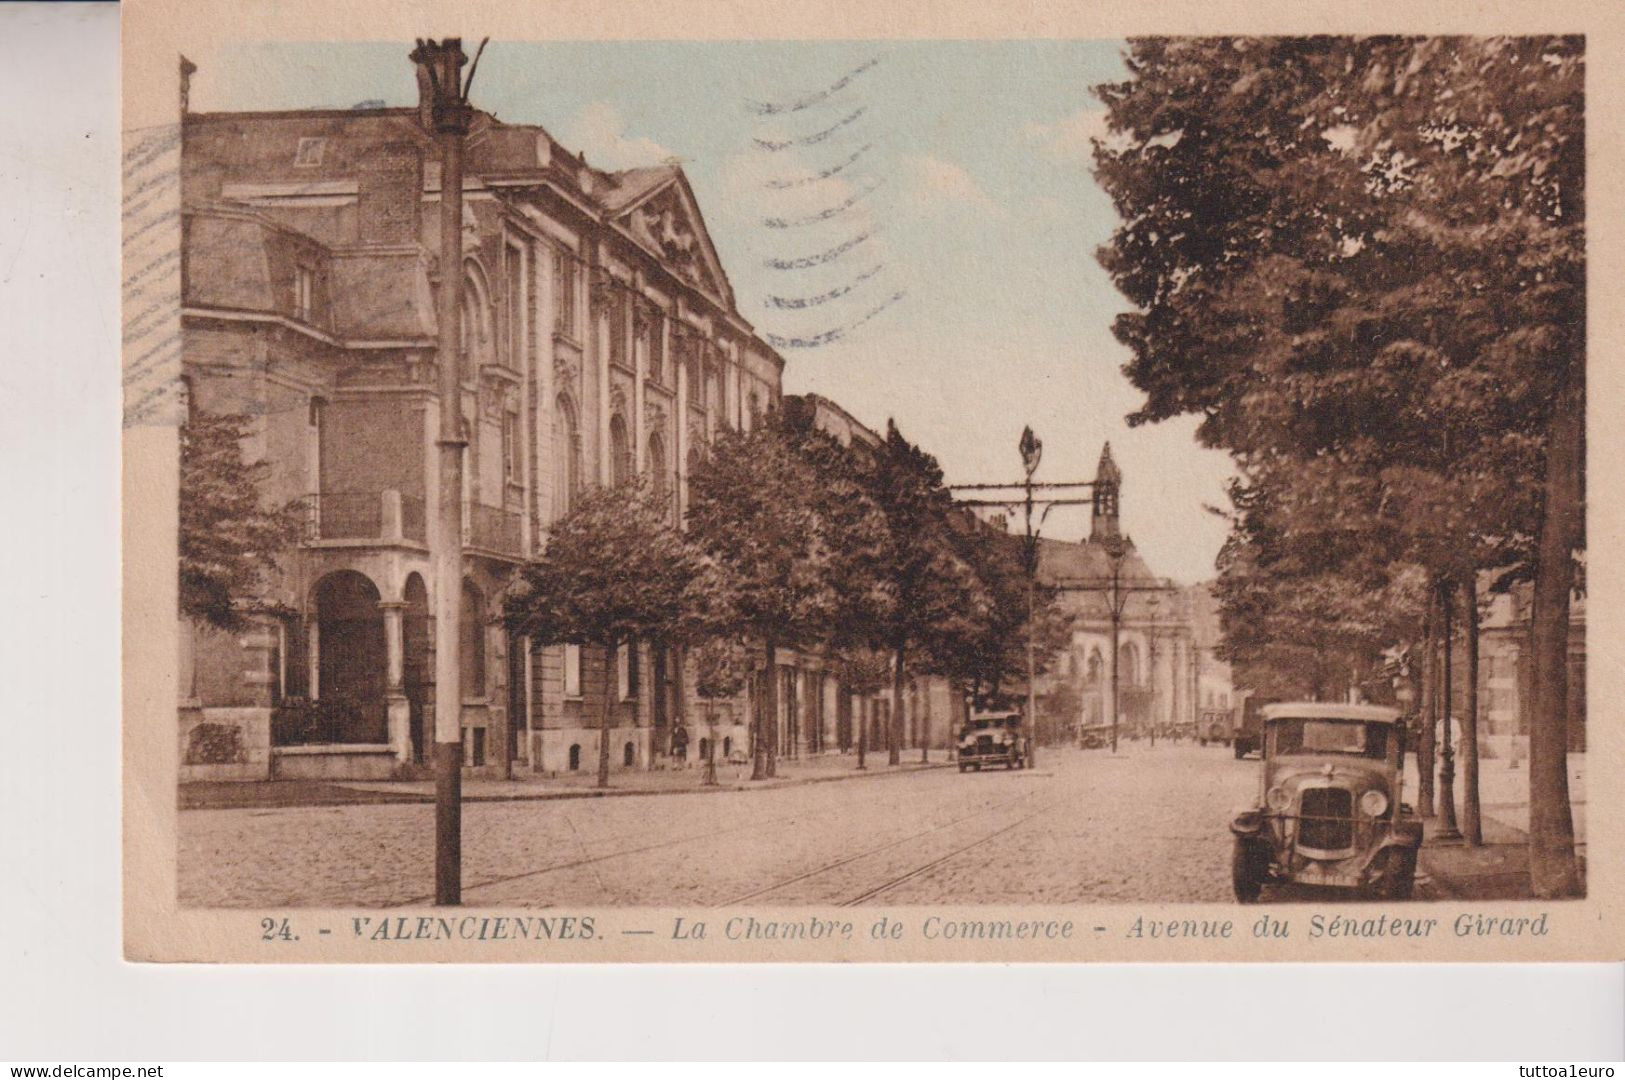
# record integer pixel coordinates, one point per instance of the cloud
(600, 133)
(938, 183)
(1072, 137)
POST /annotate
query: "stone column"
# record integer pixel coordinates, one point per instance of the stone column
(395, 704)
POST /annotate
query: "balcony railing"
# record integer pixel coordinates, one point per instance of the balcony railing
(364, 515)
(492, 528)
(329, 722)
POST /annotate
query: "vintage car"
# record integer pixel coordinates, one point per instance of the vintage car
(1095, 736)
(1329, 809)
(1215, 726)
(992, 738)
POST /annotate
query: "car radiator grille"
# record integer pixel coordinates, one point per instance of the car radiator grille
(984, 745)
(1326, 821)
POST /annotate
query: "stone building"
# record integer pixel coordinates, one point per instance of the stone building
(601, 339)
(1164, 651)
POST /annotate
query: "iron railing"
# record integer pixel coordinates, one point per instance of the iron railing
(364, 515)
(326, 721)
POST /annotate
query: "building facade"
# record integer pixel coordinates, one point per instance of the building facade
(600, 340)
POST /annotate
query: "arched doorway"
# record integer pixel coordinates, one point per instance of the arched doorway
(416, 677)
(352, 660)
(629, 755)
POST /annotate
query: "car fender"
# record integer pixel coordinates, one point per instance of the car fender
(1248, 824)
(1407, 833)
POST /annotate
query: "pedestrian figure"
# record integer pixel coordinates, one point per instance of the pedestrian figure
(679, 743)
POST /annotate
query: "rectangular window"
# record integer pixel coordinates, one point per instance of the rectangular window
(304, 292)
(510, 447)
(617, 324)
(564, 293)
(515, 274)
(657, 348)
(572, 671)
(626, 672)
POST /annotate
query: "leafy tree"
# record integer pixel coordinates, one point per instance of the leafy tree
(614, 573)
(229, 540)
(862, 671)
(1361, 259)
(751, 509)
(721, 672)
(927, 579)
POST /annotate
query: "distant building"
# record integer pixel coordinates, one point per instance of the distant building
(1165, 634)
(1504, 670)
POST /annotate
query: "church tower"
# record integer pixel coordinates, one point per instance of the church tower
(1108, 483)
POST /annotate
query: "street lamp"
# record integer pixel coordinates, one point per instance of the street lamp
(1115, 550)
(1151, 604)
(1032, 452)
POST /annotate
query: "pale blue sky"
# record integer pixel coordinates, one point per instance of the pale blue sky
(972, 305)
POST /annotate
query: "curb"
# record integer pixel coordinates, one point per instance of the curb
(384, 797)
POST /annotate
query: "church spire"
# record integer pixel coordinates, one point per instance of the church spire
(1108, 484)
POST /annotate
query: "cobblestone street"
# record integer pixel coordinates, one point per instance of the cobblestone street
(1147, 826)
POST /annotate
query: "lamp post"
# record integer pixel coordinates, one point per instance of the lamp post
(1151, 603)
(1032, 451)
(446, 113)
(1115, 550)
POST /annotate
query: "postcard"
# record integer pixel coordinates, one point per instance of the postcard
(869, 483)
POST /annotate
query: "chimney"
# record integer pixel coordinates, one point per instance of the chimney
(187, 68)
(389, 190)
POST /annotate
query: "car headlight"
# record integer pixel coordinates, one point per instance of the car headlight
(1374, 803)
(1277, 799)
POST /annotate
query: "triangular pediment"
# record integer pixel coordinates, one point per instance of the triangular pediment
(667, 220)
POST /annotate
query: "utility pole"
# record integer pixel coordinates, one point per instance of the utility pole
(1115, 550)
(447, 117)
(1032, 451)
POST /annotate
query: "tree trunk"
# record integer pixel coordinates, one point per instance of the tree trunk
(1428, 714)
(1553, 872)
(862, 713)
(603, 716)
(767, 717)
(894, 733)
(925, 734)
(1472, 823)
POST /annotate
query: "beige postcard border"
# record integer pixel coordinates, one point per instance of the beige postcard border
(155, 31)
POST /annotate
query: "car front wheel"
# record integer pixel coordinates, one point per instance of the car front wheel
(1247, 870)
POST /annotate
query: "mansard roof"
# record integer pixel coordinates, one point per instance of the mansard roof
(316, 152)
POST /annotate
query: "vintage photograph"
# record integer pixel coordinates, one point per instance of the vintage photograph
(810, 475)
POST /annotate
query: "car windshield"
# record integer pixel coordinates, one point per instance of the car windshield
(1331, 736)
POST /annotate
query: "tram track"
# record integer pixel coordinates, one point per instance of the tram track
(692, 838)
(838, 863)
(925, 868)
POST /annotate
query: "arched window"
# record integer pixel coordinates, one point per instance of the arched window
(755, 410)
(620, 452)
(476, 322)
(472, 631)
(657, 465)
(1128, 664)
(575, 757)
(566, 456)
(1095, 663)
(629, 755)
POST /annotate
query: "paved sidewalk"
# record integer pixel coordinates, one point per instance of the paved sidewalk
(823, 768)
(1499, 870)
